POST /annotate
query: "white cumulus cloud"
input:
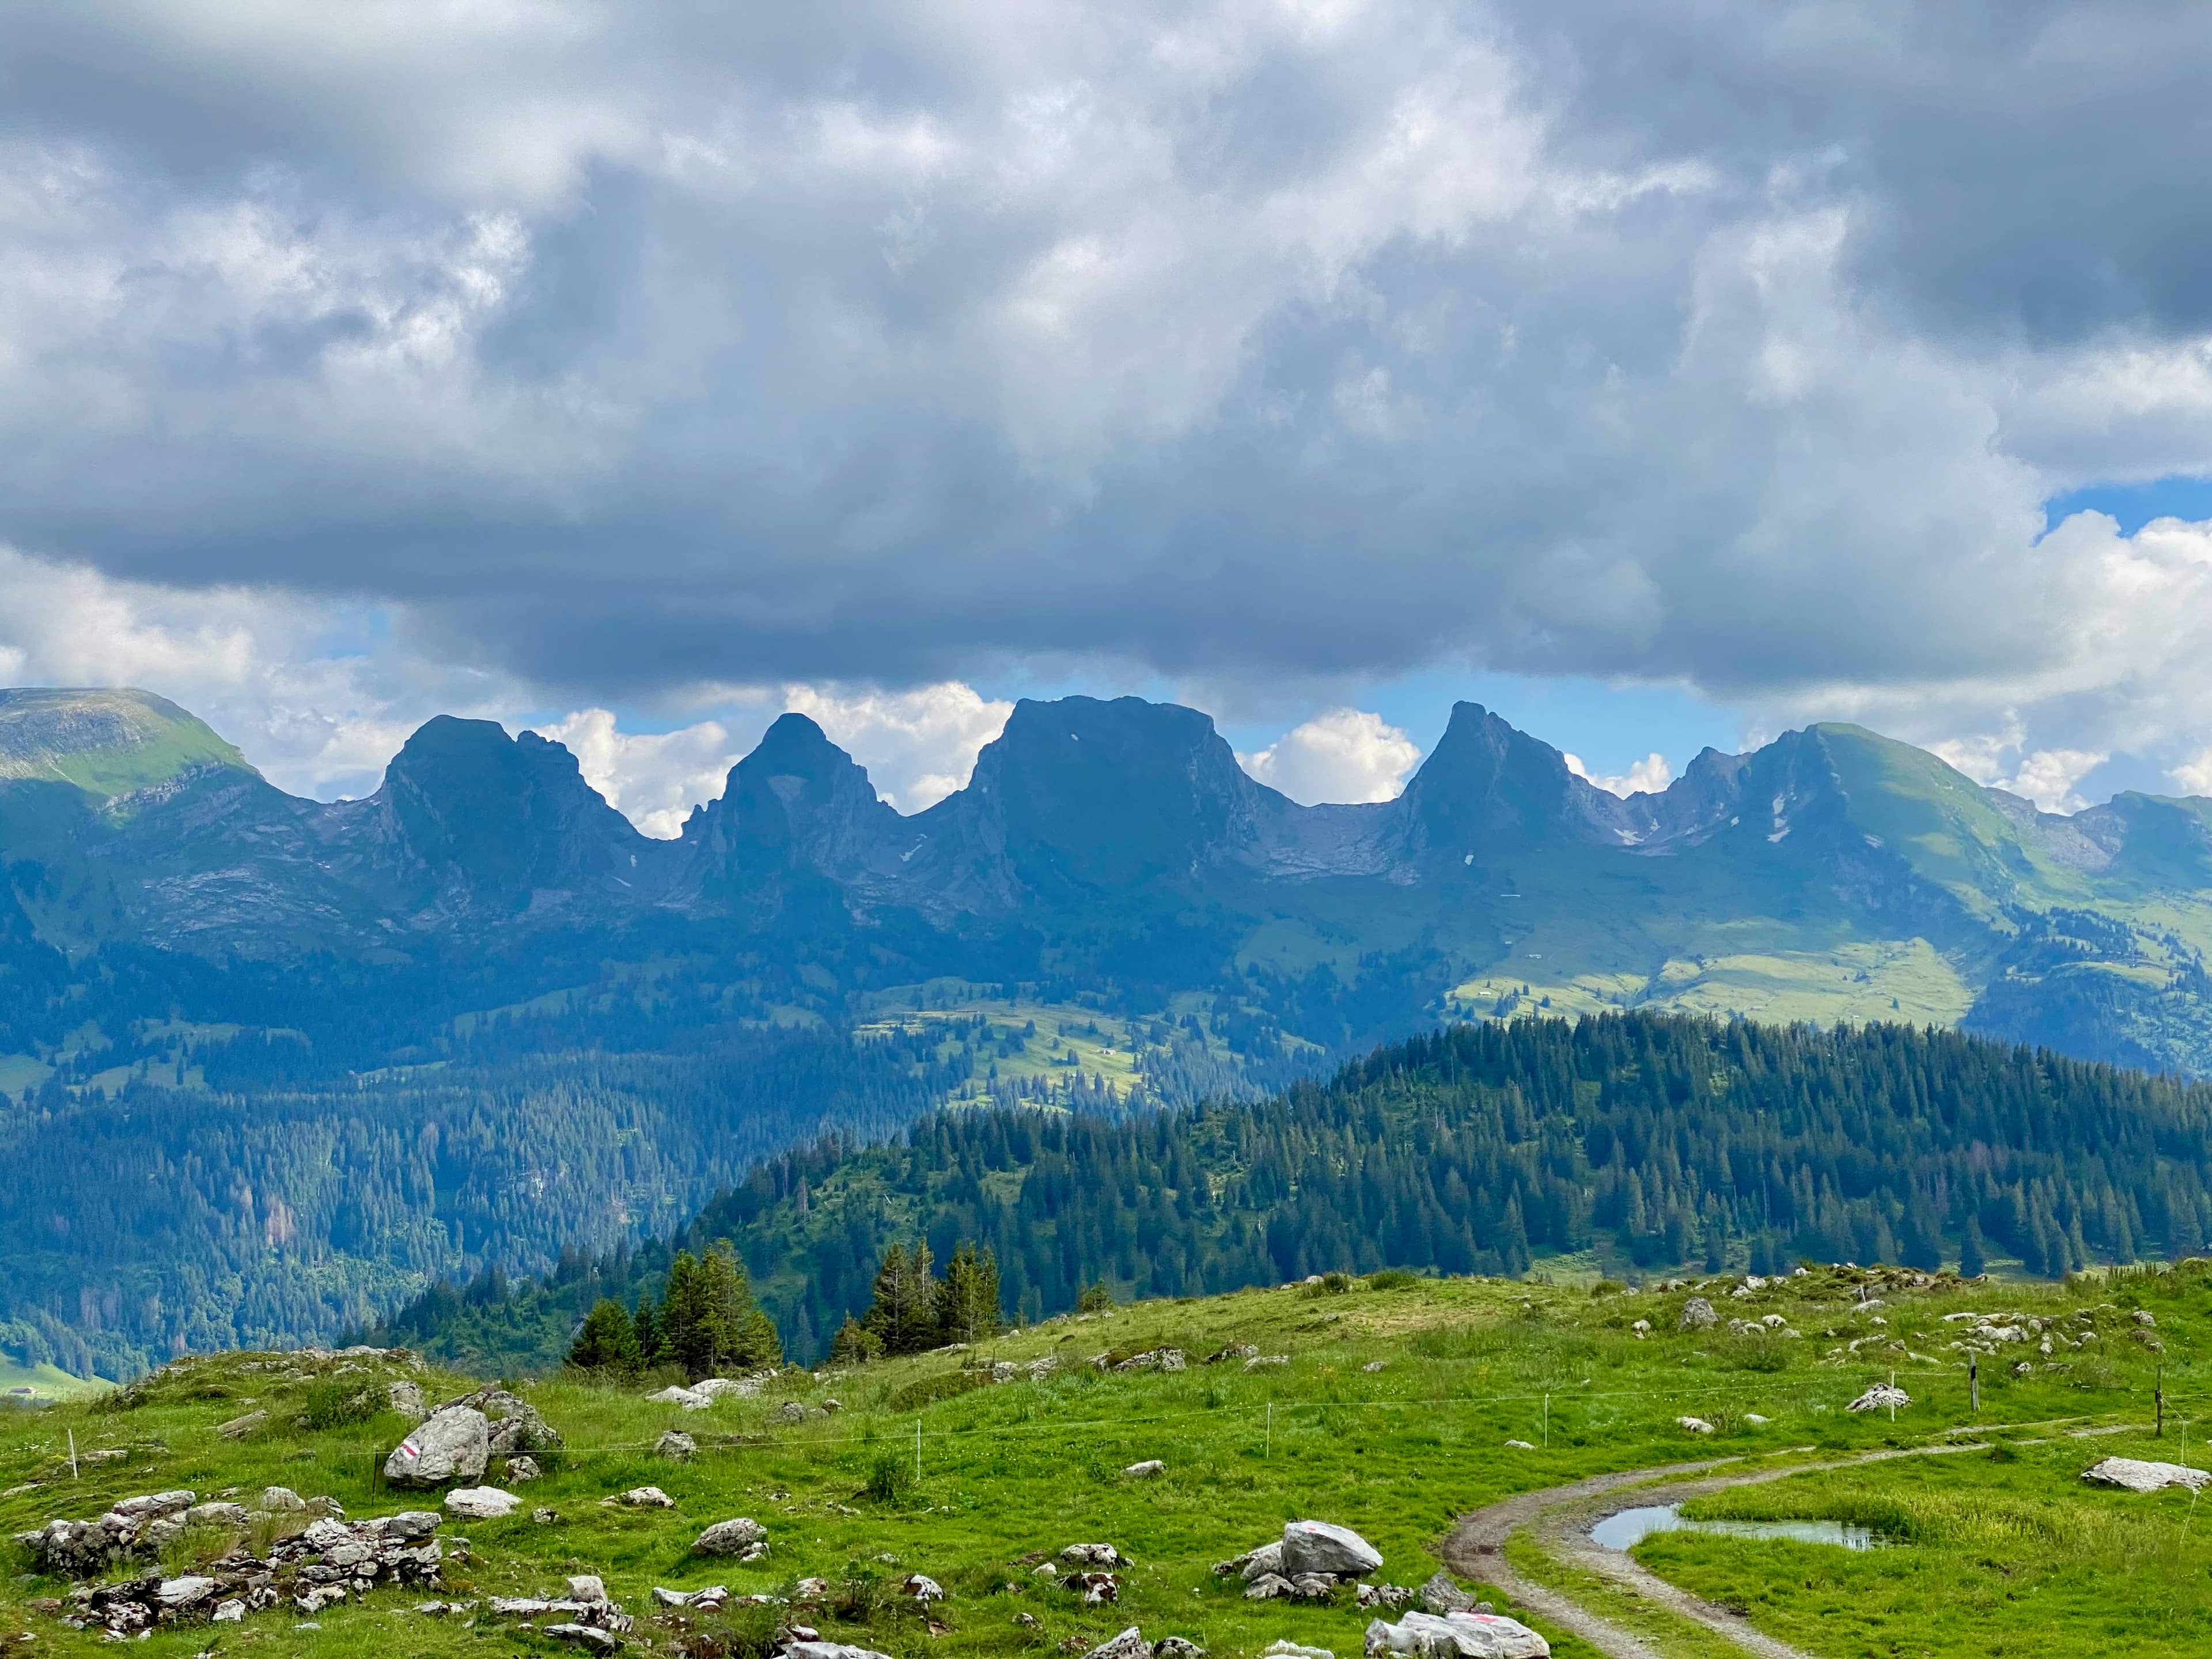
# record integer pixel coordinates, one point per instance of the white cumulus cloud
(1647, 777)
(918, 746)
(1344, 754)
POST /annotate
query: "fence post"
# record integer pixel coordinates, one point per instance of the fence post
(1547, 1422)
(917, 1452)
(1974, 1381)
(1267, 1441)
(73, 1473)
(2158, 1393)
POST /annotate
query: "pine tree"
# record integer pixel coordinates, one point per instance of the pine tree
(1971, 1261)
(608, 1340)
(903, 1315)
(854, 1344)
(967, 1301)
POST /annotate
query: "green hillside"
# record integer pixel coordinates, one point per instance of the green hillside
(1622, 1145)
(1475, 1427)
(107, 743)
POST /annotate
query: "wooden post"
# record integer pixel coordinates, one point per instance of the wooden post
(2158, 1395)
(1973, 1382)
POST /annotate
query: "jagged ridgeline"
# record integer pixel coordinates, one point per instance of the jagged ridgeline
(1626, 1142)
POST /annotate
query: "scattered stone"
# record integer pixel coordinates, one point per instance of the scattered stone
(1698, 1314)
(708, 1599)
(1756, 1420)
(828, 1651)
(690, 1398)
(1129, 1644)
(922, 1589)
(790, 1412)
(1268, 1558)
(587, 1587)
(545, 1517)
(482, 1502)
(218, 1515)
(2143, 1316)
(1292, 1651)
(1641, 1328)
(1393, 1596)
(1881, 1394)
(520, 1468)
(1096, 1588)
(240, 1427)
(1520, 1445)
(1440, 1596)
(1693, 1426)
(1257, 1361)
(1265, 1586)
(646, 1498)
(676, 1446)
(2136, 1475)
(231, 1612)
(406, 1398)
(1027, 1620)
(1094, 1555)
(1317, 1547)
(1234, 1351)
(1177, 1647)
(452, 1444)
(584, 1635)
(188, 1591)
(1456, 1635)
(744, 1539)
(1153, 1359)
(280, 1500)
(1146, 1470)
(1371, 1367)
(512, 1424)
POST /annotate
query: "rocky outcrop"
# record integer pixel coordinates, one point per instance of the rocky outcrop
(744, 1539)
(1456, 1636)
(452, 1444)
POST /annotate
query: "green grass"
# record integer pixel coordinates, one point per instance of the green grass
(1008, 1469)
(1991, 1558)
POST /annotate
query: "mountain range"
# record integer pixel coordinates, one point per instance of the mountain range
(1117, 846)
(276, 1063)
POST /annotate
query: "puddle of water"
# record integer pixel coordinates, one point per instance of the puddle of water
(1629, 1527)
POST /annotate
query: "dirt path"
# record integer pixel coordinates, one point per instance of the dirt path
(1561, 1517)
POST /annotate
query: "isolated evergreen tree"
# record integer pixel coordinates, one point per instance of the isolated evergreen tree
(903, 1315)
(644, 1320)
(1973, 1263)
(708, 1320)
(968, 1300)
(854, 1344)
(608, 1340)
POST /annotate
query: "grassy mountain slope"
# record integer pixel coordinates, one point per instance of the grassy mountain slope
(1391, 1412)
(104, 743)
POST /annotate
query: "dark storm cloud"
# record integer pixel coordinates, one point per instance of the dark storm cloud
(634, 346)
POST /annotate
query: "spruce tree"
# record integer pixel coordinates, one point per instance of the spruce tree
(854, 1344)
(967, 1301)
(903, 1315)
(608, 1340)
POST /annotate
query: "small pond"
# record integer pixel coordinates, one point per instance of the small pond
(1629, 1527)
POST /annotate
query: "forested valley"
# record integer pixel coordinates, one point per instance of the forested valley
(1636, 1144)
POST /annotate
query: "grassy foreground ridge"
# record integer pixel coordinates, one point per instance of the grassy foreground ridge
(1390, 1413)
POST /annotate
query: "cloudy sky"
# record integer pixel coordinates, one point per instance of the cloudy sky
(637, 369)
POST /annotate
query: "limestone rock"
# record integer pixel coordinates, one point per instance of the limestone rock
(520, 1468)
(676, 1446)
(648, 1497)
(482, 1502)
(737, 1537)
(2136, 1475)
(239, 1428)
(1093, 1555)
(452, 1444)
(1147, 1470)
(1129, 1644)
(1881, 1395)
(1456, 1635)
(406, 1398)
(282, 1500)
(1440, 1596)
(584, 1635)
(512, 1424)
(1318, 1547)
(1693, 1426)
(1698, 1314)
